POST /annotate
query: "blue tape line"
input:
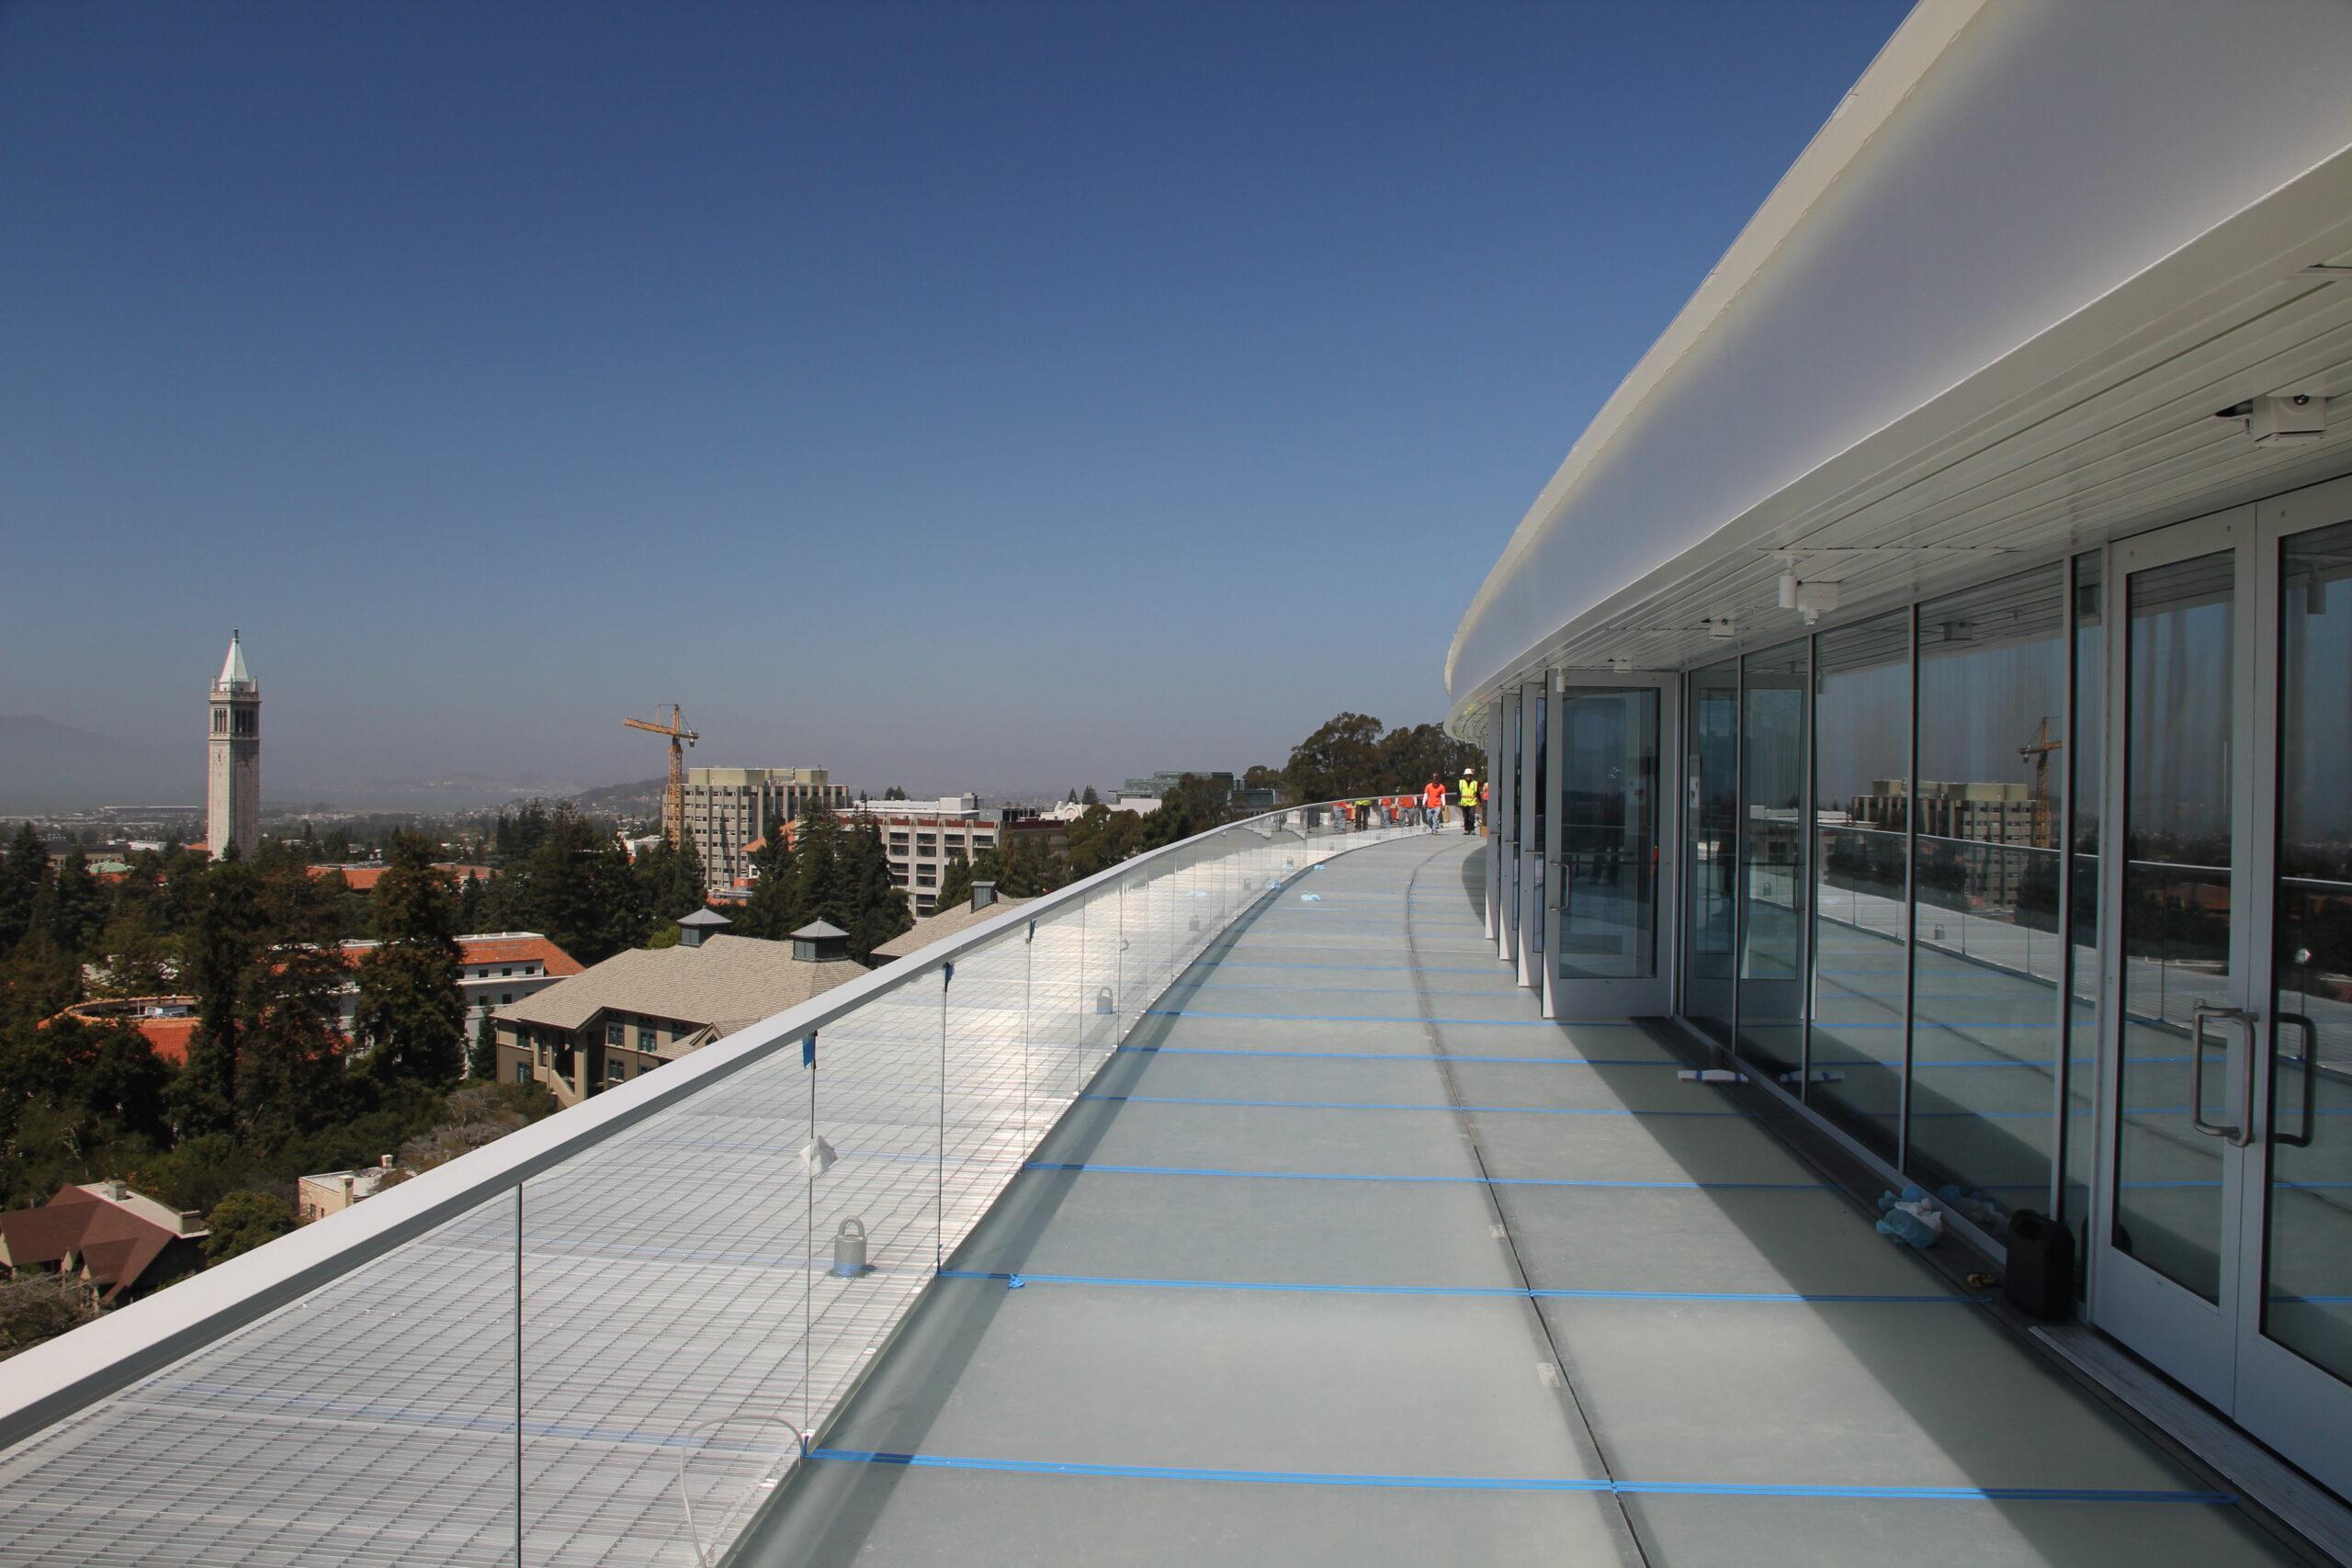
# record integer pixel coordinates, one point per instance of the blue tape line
(1515, 1483)
(1396, 1056)
(1017, 1281)
(1387, 1105)
(1496, 968)
(1384, 1017)
(1084, 1166)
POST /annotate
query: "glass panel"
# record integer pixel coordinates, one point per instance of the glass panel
(2307, 1272)
(1771, 959)
(1609, 768)
(1862, 801)
(2083, 758)
(1985, 1024)
(2175, 912)
(1711, 921)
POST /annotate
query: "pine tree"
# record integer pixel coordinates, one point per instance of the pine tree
(79, 911)
(23, 871)
(773, 911)
(481, 1061)
(954, 883)
(876, 909)
(225, 943)
(412, 1014)
(819, 875)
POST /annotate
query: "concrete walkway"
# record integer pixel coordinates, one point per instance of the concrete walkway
(1352, 1259)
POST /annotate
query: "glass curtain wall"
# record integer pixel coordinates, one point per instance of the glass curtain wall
(1914, 949)
(1711, 924)
(1987, 951)
(1608, 895)
(1773, 734)
(1861, 811)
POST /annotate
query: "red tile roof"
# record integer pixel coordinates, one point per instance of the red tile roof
(473, 950)
(169, 1036)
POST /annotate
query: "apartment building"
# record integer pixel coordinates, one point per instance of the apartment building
(730, 810)
(919, 836)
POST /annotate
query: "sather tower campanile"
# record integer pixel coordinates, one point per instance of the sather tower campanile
(233, 783)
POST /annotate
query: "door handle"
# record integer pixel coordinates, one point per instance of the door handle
(2311, 1056)
(2203, 1011)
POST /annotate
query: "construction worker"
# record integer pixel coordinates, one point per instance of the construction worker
(1433, 804)
(1468, 793)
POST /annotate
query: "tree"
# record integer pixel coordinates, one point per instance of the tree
(242, 1221)
(35, 1307)
(773, 911)
(1087, 798)
(954, 883)
(673, 881)
(576, 885)
(894, 793)
(876, 909)
(481, 1061)
(1339, 760)
(224, 943)
(23, 872)
(1260, 776)
(79, 909)
(411, 1013)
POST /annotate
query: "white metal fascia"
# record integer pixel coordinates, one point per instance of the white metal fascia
(1916, 45)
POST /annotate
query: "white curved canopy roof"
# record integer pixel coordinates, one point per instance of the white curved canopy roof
(1994, 306)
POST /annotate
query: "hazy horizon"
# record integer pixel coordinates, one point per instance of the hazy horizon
(957, 396)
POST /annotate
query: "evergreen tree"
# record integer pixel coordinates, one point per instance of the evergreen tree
(23, 872)
(819, 876)
(578, 888)
(224, 943)
(874, 909)
(473, 903)
(1087, 798)
(673, 880)
(954, 883)
(481, 1061)
(773, 911)
(80, 907)
(412, 1014)
(242, 1221)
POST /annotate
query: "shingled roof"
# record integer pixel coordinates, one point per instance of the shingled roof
(725, 983)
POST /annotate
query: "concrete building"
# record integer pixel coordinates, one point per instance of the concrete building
(730, 809)
(233, 757)
(615, 1021)
(919, 836)
(1160, 784)
(332, 1192)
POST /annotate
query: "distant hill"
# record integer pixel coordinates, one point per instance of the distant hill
(48, 766)
(640, 799)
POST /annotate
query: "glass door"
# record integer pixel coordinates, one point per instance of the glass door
(2180, 1030)
(1608, 846)
(2294, 1370)
(2224, 1214)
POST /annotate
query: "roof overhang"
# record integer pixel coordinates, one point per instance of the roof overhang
(1931, 352)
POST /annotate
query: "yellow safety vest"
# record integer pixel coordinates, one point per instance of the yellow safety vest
(1469, 792)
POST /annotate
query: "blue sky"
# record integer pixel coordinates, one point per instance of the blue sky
(980, 396)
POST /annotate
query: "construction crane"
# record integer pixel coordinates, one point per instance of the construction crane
(674, 799)
(2037, 751)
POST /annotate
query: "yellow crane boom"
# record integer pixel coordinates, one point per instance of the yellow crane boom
(674, 799)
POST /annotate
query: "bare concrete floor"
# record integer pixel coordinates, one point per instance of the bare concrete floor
(1352, 1259)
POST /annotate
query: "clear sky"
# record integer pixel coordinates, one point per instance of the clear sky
(980, 396)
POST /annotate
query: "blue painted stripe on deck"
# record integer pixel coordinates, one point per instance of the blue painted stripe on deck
(1500, 1292)
(1495, 968)
(1516, 1482)
(1085, 1166)
(1389, 1017)
(1386, 1105)
(1394, 1057)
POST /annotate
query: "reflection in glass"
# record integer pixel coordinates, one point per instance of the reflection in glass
(2085, 748)
(1608, 771)
(2307, 1275)
(1861, 806)
(1711, 923)
(2175, 913)
(1771, 842)
(1984, 1031)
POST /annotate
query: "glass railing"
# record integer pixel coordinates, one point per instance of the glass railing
(607, 1337)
